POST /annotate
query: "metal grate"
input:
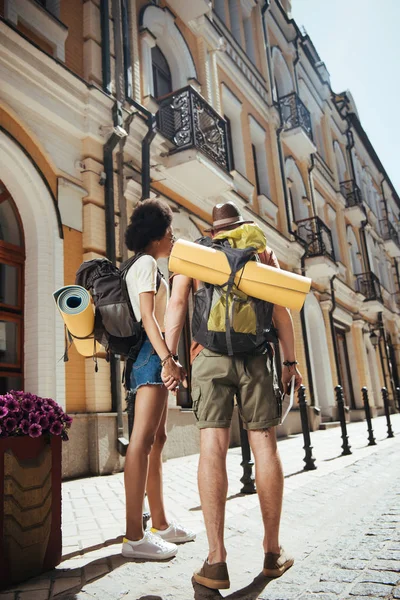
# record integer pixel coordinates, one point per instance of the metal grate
(295, 114)
(187, 120)
(316, 236)
(351, 192)
(369, 286)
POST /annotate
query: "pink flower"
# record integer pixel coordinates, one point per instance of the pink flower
(35, 430)
(24, 426)
(28, 404)
(51, 416)
(44, 422)
(3, 412)
(12, 404)
(34, 417)
(10, 424)
(56, 428)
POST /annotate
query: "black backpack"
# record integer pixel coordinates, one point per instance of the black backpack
(116, 327)
(227, 321)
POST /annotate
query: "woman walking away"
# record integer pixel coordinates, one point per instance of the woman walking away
(150, 234)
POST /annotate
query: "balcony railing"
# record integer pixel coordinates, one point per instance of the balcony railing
(316, 236)
(389, 232)
(185, 118)
(351, 192)
(295, 114)
(369, 286)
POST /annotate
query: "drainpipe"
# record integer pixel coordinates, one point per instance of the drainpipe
(296, 60)
(151, 121)
(349, 148)
(111, 254)
(310, 169)
(384, 199)
(148, 138)
(382, 328)
(305, 337)
(283, 177)
(126, 49)
(105, 45)
(332, 323)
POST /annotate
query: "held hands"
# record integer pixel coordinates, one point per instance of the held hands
(287, 374)
(173, 374)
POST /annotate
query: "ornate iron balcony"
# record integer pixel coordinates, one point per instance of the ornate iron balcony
(369, 286)
(185, 118)
(295, 114)
(316, 237)
(351, 192)
(389, 232)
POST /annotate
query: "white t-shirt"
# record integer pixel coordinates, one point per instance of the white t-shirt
(142, 277)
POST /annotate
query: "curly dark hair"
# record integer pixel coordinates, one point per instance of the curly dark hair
(149, 222)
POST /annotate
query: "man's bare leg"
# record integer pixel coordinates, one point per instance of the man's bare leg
(213, 488)
(269, 481)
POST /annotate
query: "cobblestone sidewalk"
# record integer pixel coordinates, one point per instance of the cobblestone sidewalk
(340, 521)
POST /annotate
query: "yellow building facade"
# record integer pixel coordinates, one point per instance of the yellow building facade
(105, 103)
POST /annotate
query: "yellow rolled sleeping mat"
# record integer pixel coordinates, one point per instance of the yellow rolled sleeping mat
(257, 280)
(76, 308)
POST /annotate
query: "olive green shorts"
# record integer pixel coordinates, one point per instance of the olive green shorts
(218, 378)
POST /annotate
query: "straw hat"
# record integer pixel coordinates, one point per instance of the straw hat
(225, 215)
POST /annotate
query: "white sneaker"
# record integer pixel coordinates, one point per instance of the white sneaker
(150, 547)
(175, 533)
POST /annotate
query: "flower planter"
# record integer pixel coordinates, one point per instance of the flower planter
(30, 507)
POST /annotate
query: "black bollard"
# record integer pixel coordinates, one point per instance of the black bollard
(308, 458)
(398, 398)
(385, 398)
(247, 463)
(342, 419)
(367, 409)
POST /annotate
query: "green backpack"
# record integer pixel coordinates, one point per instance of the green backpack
(225, 320)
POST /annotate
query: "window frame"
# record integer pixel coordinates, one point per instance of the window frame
(157, 69)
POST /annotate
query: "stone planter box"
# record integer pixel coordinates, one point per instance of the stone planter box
(30, 507)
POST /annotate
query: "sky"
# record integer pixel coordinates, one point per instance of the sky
(359, 42)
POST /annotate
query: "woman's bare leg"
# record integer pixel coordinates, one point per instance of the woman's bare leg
(149, 410)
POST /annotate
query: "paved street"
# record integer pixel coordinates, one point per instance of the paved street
(341, 522)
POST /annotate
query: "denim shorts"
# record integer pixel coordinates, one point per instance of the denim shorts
(146, 369)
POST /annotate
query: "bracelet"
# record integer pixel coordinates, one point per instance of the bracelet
(290, 363)
(164, 360)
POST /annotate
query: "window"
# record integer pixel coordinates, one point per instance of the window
(231, 159)
(258, 143)
(253, 148)
(11, 295)
(219, 7)
(235, 14)
(162, 79)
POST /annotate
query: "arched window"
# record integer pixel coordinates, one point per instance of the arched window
(162, 79)
(297, 191)
(340, 162)
(11, 294)
(354, 251)
(282, 75)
